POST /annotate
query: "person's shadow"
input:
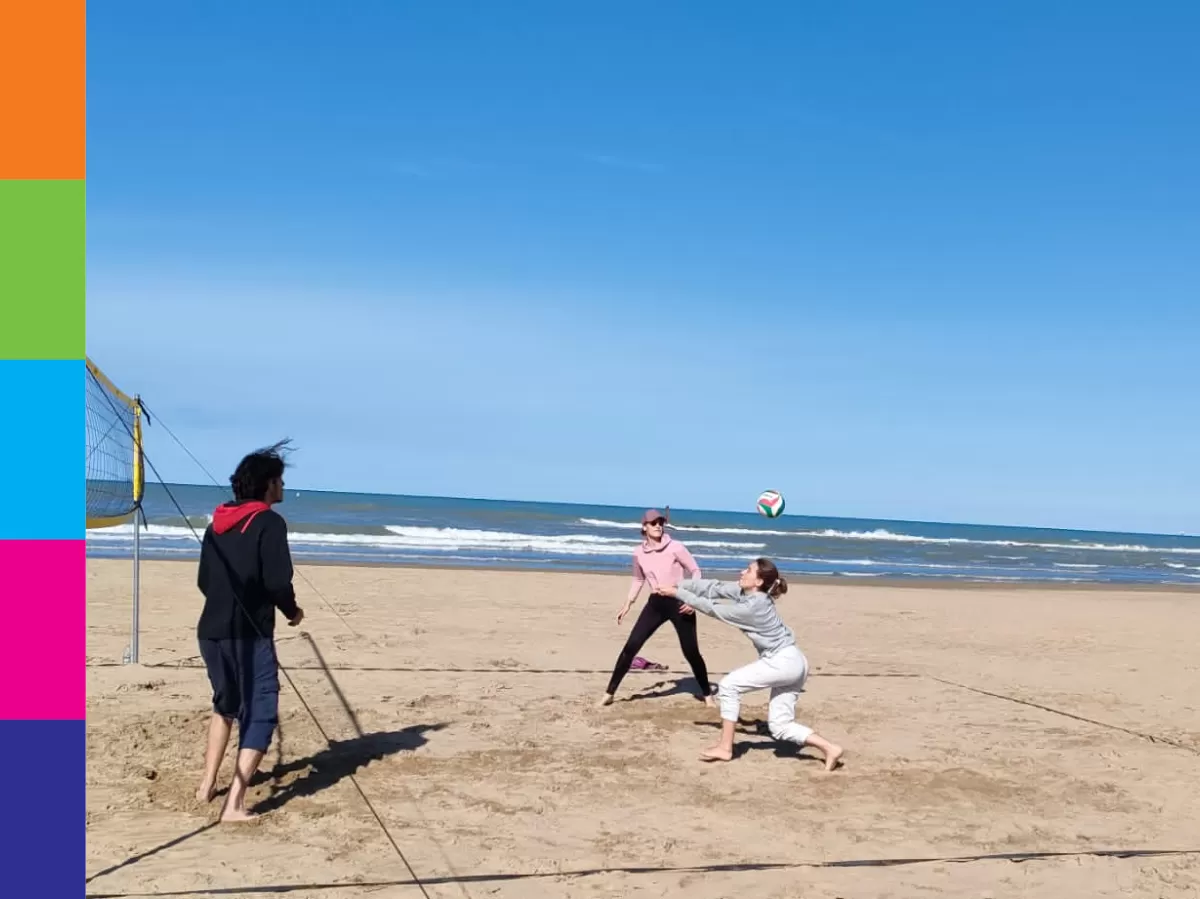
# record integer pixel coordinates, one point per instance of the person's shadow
(758, 728)
(658, 690)
(662, 689)
(342, 759)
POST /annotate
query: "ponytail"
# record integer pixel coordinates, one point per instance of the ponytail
(774, 584)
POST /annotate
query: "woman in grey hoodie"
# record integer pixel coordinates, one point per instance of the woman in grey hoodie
(781, 667)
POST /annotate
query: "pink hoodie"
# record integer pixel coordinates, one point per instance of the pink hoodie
(667, 563)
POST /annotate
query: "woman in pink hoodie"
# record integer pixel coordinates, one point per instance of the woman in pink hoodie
(660, 560)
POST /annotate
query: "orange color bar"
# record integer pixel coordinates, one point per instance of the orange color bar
(43, 89)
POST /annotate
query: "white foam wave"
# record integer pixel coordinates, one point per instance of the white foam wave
(869, 562)
(634, 525)
(123, 533)
(443, 539)
(882, 534)
(583, 544)
(602, 523)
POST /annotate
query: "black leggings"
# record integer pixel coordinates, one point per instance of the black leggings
(660, 609)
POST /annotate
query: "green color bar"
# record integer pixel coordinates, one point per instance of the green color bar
(43, 247)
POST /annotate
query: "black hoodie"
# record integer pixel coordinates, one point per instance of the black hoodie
(244, 556)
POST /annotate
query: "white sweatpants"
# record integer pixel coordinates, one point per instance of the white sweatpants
(784, 674)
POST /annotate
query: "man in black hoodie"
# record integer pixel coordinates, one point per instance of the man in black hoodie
(245, 575)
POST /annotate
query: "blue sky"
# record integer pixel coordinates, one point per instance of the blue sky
(925, 261)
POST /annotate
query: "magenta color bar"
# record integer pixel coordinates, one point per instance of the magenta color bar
(43, 629)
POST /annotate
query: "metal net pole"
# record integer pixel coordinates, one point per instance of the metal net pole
(137, 571)
(138, 520)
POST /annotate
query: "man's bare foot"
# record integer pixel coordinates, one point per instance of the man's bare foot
(833, 757)
(233, 815)
(717, 753)
(606, 699)
(205, 793)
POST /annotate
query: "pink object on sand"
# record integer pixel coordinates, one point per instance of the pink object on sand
(640, 664)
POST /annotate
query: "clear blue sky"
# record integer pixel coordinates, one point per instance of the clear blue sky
(930, 261)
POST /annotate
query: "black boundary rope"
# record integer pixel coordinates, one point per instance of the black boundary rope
(354, 780)
(455, 878)
(282, 668)
(194, 662)
(1045, 708)
(142, 856)
(731, 867)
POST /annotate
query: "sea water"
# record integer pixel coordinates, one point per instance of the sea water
(442, 531)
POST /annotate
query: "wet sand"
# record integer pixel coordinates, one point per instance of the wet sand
(469, 725)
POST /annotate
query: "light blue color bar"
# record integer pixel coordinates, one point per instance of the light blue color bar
(43, 449)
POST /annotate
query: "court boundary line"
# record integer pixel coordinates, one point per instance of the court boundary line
(730, 867)
(193, 663)
(1152, 738)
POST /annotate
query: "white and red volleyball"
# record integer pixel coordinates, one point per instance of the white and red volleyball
(770, 503)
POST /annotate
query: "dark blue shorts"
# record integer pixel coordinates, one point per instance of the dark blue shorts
(245, 682)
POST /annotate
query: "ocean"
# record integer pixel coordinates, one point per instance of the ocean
(441, 531)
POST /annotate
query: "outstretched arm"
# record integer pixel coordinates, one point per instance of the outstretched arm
(722, 600)
(701, 594)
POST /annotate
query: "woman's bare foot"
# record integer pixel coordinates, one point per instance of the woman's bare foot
(717, 753)
(722, 751)
(606, 699)
(833, 757)
(833, 752)
(206, 792)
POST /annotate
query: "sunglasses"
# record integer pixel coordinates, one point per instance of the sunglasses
(658, 522)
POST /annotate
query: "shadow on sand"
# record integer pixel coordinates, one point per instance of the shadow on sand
(663, 688)
(782, 749)
(342, 759)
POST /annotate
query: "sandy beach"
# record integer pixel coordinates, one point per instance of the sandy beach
(977, 723)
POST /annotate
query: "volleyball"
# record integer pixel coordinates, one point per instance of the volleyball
(770, 503)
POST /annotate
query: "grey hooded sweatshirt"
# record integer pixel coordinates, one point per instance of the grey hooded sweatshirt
(753, 613)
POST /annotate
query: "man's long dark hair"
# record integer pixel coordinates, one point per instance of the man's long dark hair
(256, 471)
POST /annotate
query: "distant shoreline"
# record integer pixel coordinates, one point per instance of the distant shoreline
(796, 579)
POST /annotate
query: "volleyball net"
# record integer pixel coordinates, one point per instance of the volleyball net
(114, 470)
(114, 473)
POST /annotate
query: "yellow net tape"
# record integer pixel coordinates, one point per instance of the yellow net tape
(115, 477)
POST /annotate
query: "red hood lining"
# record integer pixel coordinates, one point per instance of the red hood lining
(227, 515)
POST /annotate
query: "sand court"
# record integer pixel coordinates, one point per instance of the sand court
(475, 740)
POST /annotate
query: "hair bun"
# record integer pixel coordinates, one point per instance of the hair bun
(779, 587)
